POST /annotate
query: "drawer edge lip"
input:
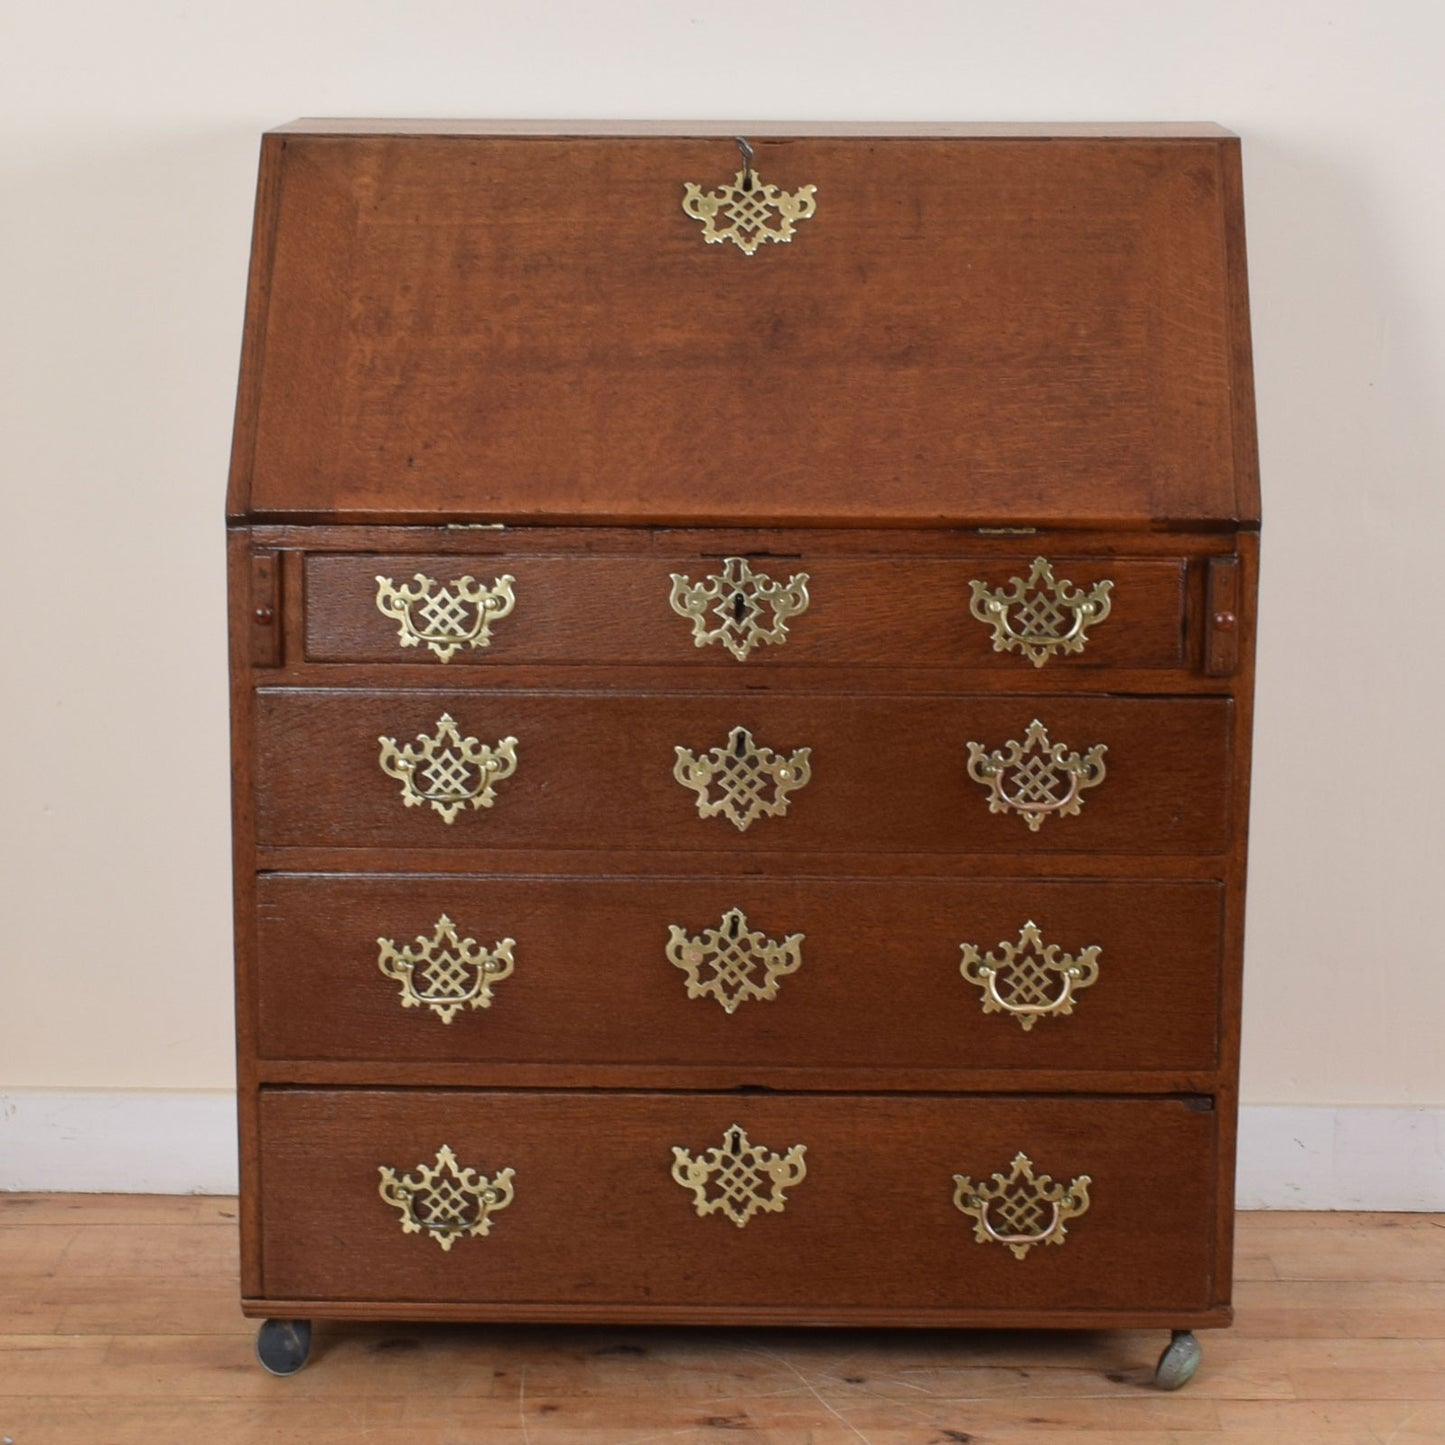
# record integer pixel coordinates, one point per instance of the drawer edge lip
(1192, 1317)
(740, 1081)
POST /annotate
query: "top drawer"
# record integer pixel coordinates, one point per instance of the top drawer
(1012, 615)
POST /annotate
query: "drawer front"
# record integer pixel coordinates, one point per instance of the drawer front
(882, 774)
(741, 972)
(1082, 612)
(592, 1212)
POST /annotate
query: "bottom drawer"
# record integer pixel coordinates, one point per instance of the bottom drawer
(845, 1200)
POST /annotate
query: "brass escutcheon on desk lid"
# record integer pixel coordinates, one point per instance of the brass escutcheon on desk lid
(454, 972)
(733, 963)
(447, 770)
(1040, 617)
(745, 774)
(1029, 979)
(738, 1178)
(456, 615)
(749, 212)
(1021, 1209)
(445, 1201)
(741, 600)
(1036, 778)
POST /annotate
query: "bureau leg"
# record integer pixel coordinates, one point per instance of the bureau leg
(282, 1346)
(1179, 1361)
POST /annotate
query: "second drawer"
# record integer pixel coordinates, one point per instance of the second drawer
(745, 971)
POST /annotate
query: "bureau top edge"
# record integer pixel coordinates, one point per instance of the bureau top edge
(874, 130)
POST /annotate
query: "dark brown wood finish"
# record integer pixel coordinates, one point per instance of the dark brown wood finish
(615, 611)
(991, 344)
(889, 773)
(600, 1220)
(879, 984)
(1018, 333)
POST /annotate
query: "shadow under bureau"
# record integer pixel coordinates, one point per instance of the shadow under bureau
(742, 663)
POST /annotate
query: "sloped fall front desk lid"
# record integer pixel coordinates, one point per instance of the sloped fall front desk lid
(974, 326)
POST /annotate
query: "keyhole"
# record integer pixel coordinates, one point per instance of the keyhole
(735, 1142)
(740, 607)
(739, 747)
(733, 928)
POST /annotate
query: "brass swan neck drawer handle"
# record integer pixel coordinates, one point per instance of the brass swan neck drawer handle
(738, 1178)
(447, 770)
(446, 972)
(452, 616)
(1035, 778)
(1029, 979)
(445, 1201)
(751, 609)
(747, 208)
(1040, 617)
(1021, 1209)
(732, 963)
(745, 774)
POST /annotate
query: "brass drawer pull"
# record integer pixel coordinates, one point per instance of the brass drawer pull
(740, 1171)
(1030, 978)
(454, 770)
(1040, 617)
(740, 599)
(743, 772)
(455, 972)
(1035, 777)
(731, 963)
(746, 208)
(454, 616)
(444, 1201)
(1030, 1209)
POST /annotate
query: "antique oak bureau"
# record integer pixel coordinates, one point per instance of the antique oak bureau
(743, 646)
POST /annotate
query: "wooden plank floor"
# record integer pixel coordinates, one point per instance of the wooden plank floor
(120, 1326)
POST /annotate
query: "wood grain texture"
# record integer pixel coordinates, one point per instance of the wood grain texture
(991, 343)
(888, 772)
(879, 983)
(606, 612)
(601, 1221)
(144, 1344)
(984, 331)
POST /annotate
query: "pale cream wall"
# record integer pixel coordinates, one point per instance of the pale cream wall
(129, 136)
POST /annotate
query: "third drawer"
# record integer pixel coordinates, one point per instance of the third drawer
(817, 973)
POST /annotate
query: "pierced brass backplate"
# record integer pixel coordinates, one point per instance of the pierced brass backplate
(740, 599)
(1035, 777)
(444, 1201)
(731, 963)
(452, 770)
(1030, 978)
(1021, 1209)
(737, 1173)
(745, 775)
(750, 212)
(459, 614)
(1040, 617)
(454, 972)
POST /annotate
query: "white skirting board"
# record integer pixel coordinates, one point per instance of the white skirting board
(162, 1142)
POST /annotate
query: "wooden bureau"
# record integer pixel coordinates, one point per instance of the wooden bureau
(742, 670)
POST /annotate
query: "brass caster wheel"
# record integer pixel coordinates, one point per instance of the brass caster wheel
(282, 1346)
(1179, 1361)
